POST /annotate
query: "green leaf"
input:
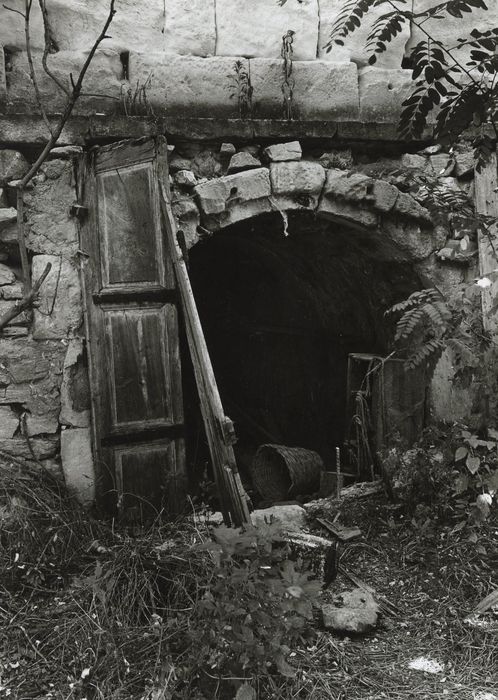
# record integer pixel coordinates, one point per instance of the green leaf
(284, 668)
(246, 691)
(473, 464)
(461, 484)
(461, 453)
(491, 481)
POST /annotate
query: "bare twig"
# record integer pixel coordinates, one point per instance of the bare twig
(49, 43)
(55, 132)
(11, 9)
(70, 103)
(32, 72)
(21, 240)
(27, 300)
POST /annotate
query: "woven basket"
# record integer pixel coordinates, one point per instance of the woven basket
(279, 472)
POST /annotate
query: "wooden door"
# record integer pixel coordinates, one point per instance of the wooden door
(132, 330)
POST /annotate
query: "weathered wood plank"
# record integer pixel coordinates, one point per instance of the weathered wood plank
(486, 201)
(132, 327)
(234, 500)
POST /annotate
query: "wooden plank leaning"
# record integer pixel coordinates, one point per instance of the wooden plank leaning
(219, 431)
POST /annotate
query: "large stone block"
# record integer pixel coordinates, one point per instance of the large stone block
(385, 195)
(77, 463)
(190, 27)
(255, 28)
(188, 217)
(6, 275)
(355, 45)
(59, 311)
(284, 151)
(9, 422)
(215, 196)
(450, 29)
(354, 215)
(382, 93)
(103, 78)
(407, 206)
(27, 361)
(187, 85)
(297, 177)
(355, 187)
(13, 165)
(238, 212)
(322, 90)
(12, 26)
(43, 448)
(50, 228)
(135, 26)
(407, 240)
(7, 216)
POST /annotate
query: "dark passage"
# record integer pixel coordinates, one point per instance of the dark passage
(281, 314)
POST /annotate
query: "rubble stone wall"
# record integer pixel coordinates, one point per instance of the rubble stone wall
(184, 52)
(44, 392)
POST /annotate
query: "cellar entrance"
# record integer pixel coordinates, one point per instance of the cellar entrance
(283, 303)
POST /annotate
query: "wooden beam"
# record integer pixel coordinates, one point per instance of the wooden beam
(486, 202)
(234, 501)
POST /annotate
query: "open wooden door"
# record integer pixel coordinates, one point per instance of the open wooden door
(132, 328)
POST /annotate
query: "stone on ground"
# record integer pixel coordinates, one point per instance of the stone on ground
(352, 612)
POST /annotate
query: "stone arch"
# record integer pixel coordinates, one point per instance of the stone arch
(281, 315)
(401, 227)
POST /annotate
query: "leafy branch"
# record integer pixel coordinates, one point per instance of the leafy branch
(464, 91)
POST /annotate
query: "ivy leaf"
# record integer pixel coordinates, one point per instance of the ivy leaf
(461, 453)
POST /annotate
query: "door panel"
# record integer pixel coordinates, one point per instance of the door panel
(132, 329)
(130, 237)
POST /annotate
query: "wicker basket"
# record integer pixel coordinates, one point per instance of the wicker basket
(279, 472)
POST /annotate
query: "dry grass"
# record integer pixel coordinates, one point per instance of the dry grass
(89, 612)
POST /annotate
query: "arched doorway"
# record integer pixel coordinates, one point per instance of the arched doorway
(281, 312)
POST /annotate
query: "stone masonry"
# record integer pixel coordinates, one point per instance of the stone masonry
(184, 51)
(44, 393)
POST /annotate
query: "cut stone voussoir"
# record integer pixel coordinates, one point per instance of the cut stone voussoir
(284, 151)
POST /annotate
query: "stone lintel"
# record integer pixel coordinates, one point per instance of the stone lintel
(22, 128)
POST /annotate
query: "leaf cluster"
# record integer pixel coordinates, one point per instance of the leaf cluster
(461, 91)
(422, 322)
(258, 603)
(241, 88)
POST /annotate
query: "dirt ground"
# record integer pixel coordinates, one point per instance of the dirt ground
(434, 577)
(62, 639)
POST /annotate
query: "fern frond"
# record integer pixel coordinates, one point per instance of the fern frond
(413, 300)
(428, 353)
(408, 323)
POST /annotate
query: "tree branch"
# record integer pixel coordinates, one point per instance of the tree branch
(54, 135)
(32, 72)
(27, 300)
(47, 49)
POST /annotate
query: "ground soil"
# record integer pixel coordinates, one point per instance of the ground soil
(433, 576)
